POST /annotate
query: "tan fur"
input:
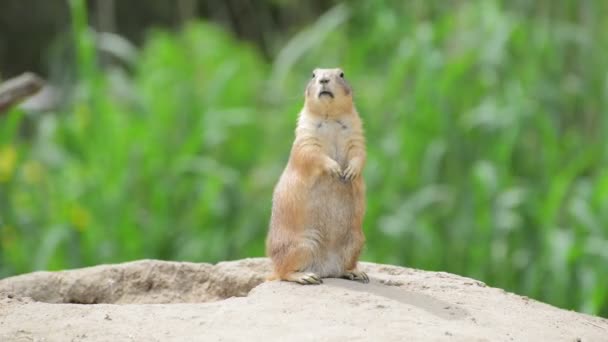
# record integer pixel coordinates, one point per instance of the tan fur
(319, 201)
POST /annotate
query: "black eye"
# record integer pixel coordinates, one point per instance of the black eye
(342, 74)
(313, 75)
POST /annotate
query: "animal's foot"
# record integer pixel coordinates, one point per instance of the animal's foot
(356, 275)
(305, 278)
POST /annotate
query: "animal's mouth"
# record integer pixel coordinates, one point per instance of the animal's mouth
(326, 92)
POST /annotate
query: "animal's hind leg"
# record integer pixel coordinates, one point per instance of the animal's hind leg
(291, 266)
(284, 241)
(351, 271)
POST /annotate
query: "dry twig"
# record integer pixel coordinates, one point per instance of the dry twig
(17, 89)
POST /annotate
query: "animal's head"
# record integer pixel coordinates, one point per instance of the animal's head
(328, 91)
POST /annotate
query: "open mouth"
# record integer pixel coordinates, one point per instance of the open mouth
(326, 92)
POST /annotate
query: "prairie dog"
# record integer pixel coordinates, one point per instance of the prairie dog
(319, 201)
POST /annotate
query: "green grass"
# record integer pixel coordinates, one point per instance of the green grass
(486, 126)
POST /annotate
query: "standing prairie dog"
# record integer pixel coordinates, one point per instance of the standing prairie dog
(319, 202)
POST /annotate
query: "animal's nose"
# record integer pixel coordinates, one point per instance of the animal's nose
(324, 80)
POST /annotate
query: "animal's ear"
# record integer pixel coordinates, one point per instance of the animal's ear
(347, 88)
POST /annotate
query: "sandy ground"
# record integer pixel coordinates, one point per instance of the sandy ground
(168, 301)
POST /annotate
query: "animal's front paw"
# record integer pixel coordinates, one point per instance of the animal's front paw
(333, 168)
(351, 172)
(356, 275)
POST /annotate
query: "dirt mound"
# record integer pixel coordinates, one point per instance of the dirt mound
(172, 301)
(143, 282)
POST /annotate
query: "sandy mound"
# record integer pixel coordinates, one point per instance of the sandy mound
(171, 301)
(140, 282)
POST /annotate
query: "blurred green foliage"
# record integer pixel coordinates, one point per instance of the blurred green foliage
(486, 126)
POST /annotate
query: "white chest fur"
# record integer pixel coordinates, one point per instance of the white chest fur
(333, 135)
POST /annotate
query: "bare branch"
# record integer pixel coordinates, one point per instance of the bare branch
(17, 89)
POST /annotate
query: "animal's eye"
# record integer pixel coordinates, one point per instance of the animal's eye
(342, 74)
(313, 75)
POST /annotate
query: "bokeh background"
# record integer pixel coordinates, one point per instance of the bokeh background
(166, 124)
